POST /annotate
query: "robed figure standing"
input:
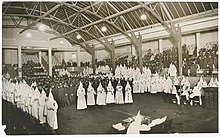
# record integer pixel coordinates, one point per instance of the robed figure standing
(128, 94)
(90, 95)
(119, 95)
(81, 100)
(50, 111)
(101, 95)
(110, 98)
(42, 103)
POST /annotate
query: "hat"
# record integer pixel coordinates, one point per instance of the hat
(50, 97)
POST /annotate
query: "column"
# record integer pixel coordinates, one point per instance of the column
(140, 54)
(113, 57)
(179, 46)
(93, 59)
(19, 62)
(198, 42)
(160, 45)
(39, 57)
(50, 60)
(78, 56)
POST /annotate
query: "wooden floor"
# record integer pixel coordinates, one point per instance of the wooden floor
(99, 119)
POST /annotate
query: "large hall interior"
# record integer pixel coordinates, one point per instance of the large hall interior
(109, 67)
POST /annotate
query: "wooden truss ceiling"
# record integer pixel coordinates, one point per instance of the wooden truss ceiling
(86, 18)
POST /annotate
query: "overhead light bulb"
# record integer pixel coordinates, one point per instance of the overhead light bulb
(61, 42)
(104, 29)
(28, 35)
(41, 27)
(78, 36)
(143, 17)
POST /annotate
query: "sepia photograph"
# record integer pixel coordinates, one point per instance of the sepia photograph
(109, 67)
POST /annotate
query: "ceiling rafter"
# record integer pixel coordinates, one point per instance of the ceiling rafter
(204, 6)
(37, 20)
(121, 15)
(182, 9)
(86, 46)
(34, 16)
(6, 8)
(175, 10)
(196, 7)
(171, 31)
(75, 14)
(133, 39)
(66, 15)
(189, 8)
(107, 47)
(166, 11)
(102, 19)
(14, 20)
(26, 9)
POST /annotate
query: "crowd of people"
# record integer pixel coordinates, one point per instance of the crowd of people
(31, 100)
(41, 96)
(32, 68)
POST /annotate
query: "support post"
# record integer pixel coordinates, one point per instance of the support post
(198, 42)
(19, 62)
(77, 56)
(50, 60)
(140, 53)
(93, 59)
(113, 56)
(39, 57)
(179, 46)
(160, 45)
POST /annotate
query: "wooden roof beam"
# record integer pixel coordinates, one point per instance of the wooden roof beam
(153, 13)
(37, 20)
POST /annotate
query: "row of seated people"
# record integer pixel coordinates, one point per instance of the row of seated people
(42, 107)
(139, 83)
(32, 68)
(207, 59)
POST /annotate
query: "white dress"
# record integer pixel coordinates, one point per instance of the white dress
(128, 94)
(81, 101)
(119, 95)
(90, 96)
(110, 98)
(51, 113)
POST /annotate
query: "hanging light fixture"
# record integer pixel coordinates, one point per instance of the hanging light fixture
(78, 36)
(103, 29)
(143, 17)
(61, 42)
(28, 35)
(41, 27)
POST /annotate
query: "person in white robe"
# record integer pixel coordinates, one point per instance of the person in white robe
(101, 95)
(50, 111)
(172, 70)
(142, 84)
(147, 84)
(90, 95)
(136, 86)
(128, 93)
(196, 92)
(81, 101)
(42, 103)
(35, 103)
(215, 83)
(211, 82)
(186, 89)
(136, 126)
(119, 94)
(110, 97)
(168, 85)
